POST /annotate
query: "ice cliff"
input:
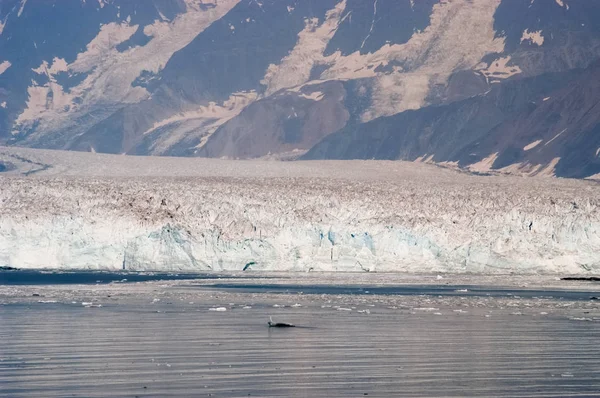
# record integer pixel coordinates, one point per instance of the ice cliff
(103, 213)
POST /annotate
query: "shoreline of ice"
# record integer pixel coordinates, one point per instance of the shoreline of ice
(203, 214)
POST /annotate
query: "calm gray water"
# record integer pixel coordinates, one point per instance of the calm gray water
(173, 347)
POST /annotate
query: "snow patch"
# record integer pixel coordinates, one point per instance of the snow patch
(484, 165)
(110, 73)
(157, 29)
(4, 66)
(555, 137)
(549, 170)
(528, 169)
(23, 2)
(424, 159)
(372, 24)
(460, 33)
(162, 16)
(315, 96)
(58, 65)
(395, 93)
(208, 118)
(533, 37)
(595, 177)
(498, 69)
(532, 145)
(295, 68)
(109, 37)
(50, 96)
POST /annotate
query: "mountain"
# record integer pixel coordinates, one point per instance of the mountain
(485, 85)
(543, 124)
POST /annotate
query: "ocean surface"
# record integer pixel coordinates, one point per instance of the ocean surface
(210, 338)
(56, 277)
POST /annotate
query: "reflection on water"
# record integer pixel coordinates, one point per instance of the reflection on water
(130, 350)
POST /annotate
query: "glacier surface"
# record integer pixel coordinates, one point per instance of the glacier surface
(95, 211)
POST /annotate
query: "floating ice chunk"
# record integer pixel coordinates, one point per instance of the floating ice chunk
(91, 305)
(344, 309)
(47, 301)
(218, 309)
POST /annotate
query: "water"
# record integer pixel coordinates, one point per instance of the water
(162, 339)
(414, 290)
(36, 277)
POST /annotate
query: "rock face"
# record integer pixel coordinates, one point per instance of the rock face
(545, 124)
(276, 78)
(106, 211)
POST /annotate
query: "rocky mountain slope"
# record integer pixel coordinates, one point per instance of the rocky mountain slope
(506, 85)
(543, 124)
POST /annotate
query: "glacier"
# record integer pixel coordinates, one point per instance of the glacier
(96, 211)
